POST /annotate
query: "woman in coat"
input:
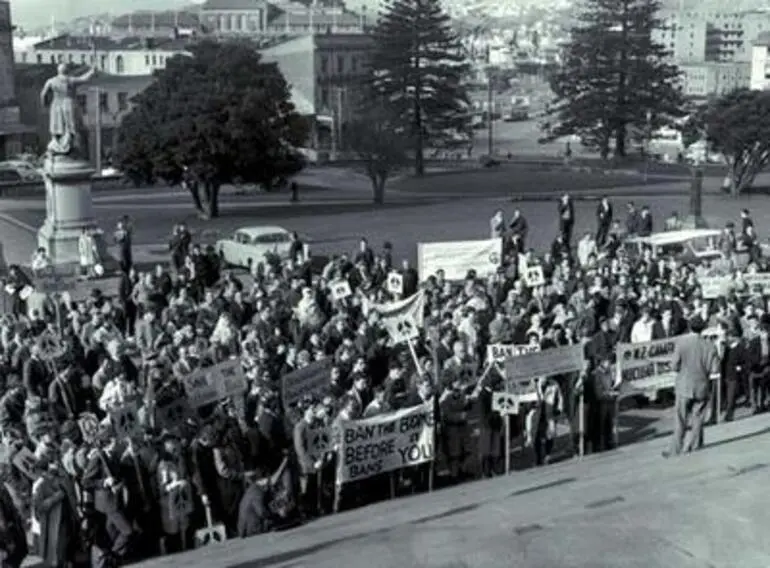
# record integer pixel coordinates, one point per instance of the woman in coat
(175, 496)
(54, 503)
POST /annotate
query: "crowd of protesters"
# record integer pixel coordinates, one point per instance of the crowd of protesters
(90, 497)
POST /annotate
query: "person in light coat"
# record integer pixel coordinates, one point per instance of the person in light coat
(87, 253)
(586, 248)
(540, 421)
(497, 225)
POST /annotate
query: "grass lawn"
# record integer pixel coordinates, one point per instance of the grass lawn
(511, 178)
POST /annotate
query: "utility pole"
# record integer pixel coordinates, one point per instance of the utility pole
(490, 109)
(339, 116)
(98, 130)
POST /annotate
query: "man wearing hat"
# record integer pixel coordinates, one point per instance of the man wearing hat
(759, 356)
(695, 361)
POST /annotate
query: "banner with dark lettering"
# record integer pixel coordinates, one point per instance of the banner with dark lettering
(385, 443)
(646, 366)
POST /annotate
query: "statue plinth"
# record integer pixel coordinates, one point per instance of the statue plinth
(69, 210)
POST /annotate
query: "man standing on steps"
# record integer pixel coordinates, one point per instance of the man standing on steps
(695, 362)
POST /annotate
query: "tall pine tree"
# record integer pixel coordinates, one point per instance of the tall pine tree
(418, 68)
(614, 80)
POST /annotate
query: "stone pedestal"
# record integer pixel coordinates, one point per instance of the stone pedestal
(68, 210)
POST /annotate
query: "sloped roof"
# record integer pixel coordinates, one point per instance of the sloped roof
(104, 43)
(763, 39)
(233, 4)
(166, 19)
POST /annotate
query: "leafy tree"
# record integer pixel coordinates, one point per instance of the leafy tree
(738, 126)
(613, 78)
(418, 65)
(221, 116)
(381, 143)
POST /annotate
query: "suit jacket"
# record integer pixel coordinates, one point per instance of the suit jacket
(566, 212)
(755, 357)
(695, 360)
(35, 377)
(604, 214)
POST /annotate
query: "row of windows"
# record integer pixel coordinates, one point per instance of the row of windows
(340, 67)
(120, 65)
(104, 102)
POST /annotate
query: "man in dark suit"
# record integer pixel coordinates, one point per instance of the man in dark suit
(36, 374)
(759, 357)
(735, 365)
(695, 362)
(603, 221)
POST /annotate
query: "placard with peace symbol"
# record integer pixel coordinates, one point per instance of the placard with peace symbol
(340, 289)
(396, 283)
(505, 403)
(125, 421)
(403, 330)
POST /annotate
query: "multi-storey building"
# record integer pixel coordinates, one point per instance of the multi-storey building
(760, 62)
(12, 131)
(325, 72)
(694, 36)
(280, 17)
(126, 56)
(710, 78)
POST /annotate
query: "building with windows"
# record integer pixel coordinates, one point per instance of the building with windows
(281, 17)
(12, 131)
(325, 72)
(154, 24)
(127, 56)
(694, 36)
(760, 62)
(713, 79)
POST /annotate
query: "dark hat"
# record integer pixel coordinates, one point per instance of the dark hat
(697, 324)
(764, 321)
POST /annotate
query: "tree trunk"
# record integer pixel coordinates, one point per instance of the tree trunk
(209, 201)
(378, 185)
(194, 189)
(419, 159)
(620, 142)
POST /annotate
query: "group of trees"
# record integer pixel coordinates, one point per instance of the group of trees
(616, 84)
(225, 116)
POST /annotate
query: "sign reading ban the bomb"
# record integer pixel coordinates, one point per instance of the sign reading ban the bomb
(386, 443)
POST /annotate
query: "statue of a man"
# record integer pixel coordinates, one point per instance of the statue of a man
(64, 123)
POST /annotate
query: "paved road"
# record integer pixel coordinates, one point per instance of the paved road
(628, 508)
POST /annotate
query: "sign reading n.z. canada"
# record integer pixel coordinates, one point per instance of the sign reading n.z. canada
(646, 366)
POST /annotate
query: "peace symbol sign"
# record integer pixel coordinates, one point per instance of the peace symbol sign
(320, 440)
(505, 403)
(50, 346)
(494, 258)
(405, 327)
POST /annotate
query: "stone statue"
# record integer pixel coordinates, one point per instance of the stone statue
(64, 124)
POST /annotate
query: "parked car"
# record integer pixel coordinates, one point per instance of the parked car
(10, 176)
(251, 245)
(26, 171)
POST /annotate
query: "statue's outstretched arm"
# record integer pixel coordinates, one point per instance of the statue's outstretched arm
(85, 77)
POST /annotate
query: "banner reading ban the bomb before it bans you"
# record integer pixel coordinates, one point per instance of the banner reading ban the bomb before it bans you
(385, 443)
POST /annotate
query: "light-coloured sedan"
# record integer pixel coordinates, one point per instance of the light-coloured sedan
(249, 246)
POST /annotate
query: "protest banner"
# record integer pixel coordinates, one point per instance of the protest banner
(499, 352)
(456, 258)
(125, 421)
(180, 499)
(555, 361)
(758, 283)
(385, 443)
(396, 283)
(312, 380)
(340, 289)
(402, 319)
(319, 442)
(714, 286)
(89, 426)
(215, 383)
(533, 276)
(644, 367)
